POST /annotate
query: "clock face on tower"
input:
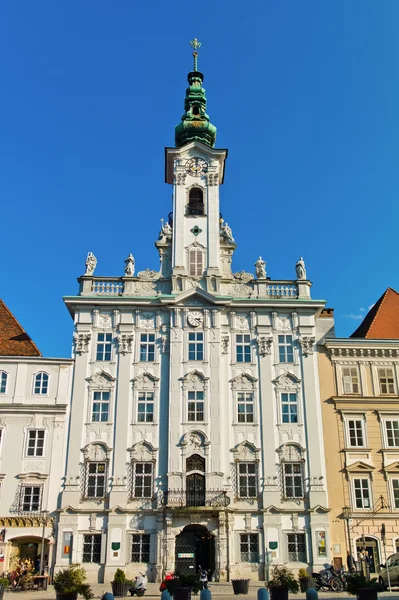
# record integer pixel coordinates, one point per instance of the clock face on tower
(196, 166)
(195, 318)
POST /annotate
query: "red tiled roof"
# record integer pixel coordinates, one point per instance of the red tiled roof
(382, 321)
(14, 341)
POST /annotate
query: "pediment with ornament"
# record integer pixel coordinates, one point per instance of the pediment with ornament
(101, 379)
(245, 451)
(360, 467)
(143, 451)
(194, 377)
(287, 380)
(392, 468)
(243, 381)
(195, 296)
(145, 381)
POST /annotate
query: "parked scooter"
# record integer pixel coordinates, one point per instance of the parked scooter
(140, 585)
(203, 577)
(328, 579)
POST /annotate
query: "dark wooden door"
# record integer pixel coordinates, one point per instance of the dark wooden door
(195, 490)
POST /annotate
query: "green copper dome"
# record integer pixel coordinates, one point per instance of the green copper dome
(195, 123)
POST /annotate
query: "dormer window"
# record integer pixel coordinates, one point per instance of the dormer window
(195, 201)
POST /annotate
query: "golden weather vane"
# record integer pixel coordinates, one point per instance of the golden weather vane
(196, 45)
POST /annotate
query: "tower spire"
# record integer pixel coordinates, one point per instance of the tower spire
(195, 123)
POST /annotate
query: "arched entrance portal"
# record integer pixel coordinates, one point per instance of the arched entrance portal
(28, 547)
(371, 546)
(195, 546)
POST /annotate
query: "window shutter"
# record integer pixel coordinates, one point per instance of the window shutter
(103, 548)
(347, 384)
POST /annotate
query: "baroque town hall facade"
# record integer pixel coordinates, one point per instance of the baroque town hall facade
(195, 432)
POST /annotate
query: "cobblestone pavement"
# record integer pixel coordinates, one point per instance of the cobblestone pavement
(219, 590)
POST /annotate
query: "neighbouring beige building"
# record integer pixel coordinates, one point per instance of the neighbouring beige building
(359, 384)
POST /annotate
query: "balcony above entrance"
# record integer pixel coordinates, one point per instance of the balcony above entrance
(193, 498)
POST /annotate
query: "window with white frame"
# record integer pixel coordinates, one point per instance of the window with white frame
(145, 407)
(104, 346)
(91, 548)
(392, 433)
(195, 406)
(356, 437)
(96, 475)
(243, 348)
(195, 345)
(143, 474)
(195, 262)
(245, 407)
(350, 380)
(35, 442)
(40, 384)
(289, 407)
(140, 547)
(293, 480)
(296, 547)
(3, 382)
(147, 347)
(249, 547)
(361, 490)
(30, 498)
(395, 492)
(100, 411)
(247, 480)
(386, 381)
(285, 349)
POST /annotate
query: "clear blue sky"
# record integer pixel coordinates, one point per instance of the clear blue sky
(304, 94)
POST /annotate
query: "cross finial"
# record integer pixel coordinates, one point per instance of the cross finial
(196, 45)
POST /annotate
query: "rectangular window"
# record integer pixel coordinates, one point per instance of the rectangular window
(296, 547)
(395, 489)
(392, 429)
(195, 406)
(141, 547)
(355, 432)
(196, 345)
(145, 407)
(247, 480)
(35, 444)
(289, 408)
(285, 349)
(96, 479)
(147, 347)
(3, 382)
(245, 404)
(249, 547)
(92, 548)
(243, 348)
(293, 480)
(100, 407)
(142, 480)
(195, 260)
(31, 498)
(362, 493)
(350, 380)
(387, 385)
(104, 345)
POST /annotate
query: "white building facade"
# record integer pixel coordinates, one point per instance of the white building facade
(195, 431)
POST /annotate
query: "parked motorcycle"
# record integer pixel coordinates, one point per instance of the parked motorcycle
(328, 579)
(139, 586)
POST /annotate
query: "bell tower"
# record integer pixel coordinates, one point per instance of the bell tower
(195, 169)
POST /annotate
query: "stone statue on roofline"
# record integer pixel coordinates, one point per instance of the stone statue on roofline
(260, 267)
(225, 232)
(129, 268)
(91, 263)
(300, 269)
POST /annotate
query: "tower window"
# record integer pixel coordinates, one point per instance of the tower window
(196, 265)
(196, 110)
(195, 201)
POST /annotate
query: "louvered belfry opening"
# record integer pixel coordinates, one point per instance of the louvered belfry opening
(196, 201)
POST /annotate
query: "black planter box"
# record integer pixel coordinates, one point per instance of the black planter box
(120, 590)
(278, 592)
(240, 586)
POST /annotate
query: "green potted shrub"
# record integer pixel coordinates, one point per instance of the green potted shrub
(305, 580)
(3, 584)
(281, 583)
(364, 589)
(70, 582)
(120, 585)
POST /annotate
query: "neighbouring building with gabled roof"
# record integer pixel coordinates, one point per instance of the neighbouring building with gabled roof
(359, 387)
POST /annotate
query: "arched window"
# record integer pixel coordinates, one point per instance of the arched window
(40, 383)
(195, 462)
(195, 262)
(196, 201)
(3, 382)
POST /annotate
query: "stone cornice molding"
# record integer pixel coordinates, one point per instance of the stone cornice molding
(338, 352)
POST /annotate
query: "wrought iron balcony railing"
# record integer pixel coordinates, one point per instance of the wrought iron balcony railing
(194, 498)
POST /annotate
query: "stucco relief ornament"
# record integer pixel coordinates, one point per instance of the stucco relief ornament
(104, 321)
(242, 323)
(91, 263)
(300, 269)
(307, 344)
(264, 344)
(260, 267)
(213, 179)
(225, 344)
(243, 276)
(129, 266)
(82, 341)
(147, 275)
(125, 341)
(181, 178)
(226, 233)
(283, 323)
(147, 320)
(316, 484)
